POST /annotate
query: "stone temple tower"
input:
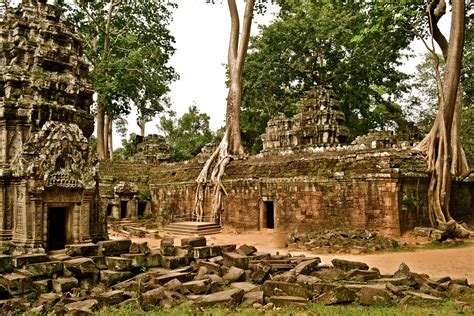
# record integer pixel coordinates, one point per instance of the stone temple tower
(48, 175)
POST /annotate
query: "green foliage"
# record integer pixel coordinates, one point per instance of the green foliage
(93, 143)
(134, 70)
(128, 148)
(330, 44)
(186, 135)
(467, 75)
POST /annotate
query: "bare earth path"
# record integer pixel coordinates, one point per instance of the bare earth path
(456, 262)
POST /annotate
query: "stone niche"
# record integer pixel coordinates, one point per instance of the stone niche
(320, 122)
(48, 175)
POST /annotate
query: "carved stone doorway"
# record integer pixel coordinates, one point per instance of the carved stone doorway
(269, 215)
(57, 227)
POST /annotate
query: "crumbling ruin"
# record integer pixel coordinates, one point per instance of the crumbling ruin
(48, 177)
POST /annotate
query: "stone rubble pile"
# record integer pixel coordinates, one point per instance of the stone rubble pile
(120, 272)
(341, 241)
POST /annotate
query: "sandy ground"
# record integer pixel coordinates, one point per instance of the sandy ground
(456, 262)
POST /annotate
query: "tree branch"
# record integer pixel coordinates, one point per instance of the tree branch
(245, 37)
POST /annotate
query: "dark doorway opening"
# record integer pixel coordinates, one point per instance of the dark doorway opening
(57, 228)
(269, 215)
(123, 209)
(109, 209)
(141, 209)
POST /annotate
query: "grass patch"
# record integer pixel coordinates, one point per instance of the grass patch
(446, 308)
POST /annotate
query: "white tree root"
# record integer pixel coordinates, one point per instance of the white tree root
(219, 159)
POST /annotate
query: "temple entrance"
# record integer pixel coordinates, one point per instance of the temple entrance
(57, 224)
(269, 215)
(123, 209)
(141, 209)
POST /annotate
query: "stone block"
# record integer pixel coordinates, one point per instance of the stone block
(152, 298)
(217, 250)
(415, 298)
(260, 256)
(246, 250)
(177, 286)
(42, 286)
(113, 247)
(457, 291)
(82, 250)
(23, 260)
(63, 285)
(339, 295)
(211, 266)
(272, 288)
(347, 265)
(90, 282)
(48, 299)
(373, 295)
(173, 262)
(194, 241)
(233, 259)
(228, 248)
(181, 276)
(282, 301)
(260, 273)
(167, 250)
(81, 267)
(138, 259)
(362, 275)
(153, 260)
(246, 286)
(6, 264)
(17, 283)
(100, 262)
(81, 307)
(202, 252)
(197, 286)
(110, 298)
(330, 274)
(166, 241)
(307, 267)
(227, 297)
(140, 247)
(45, 269)
(250, 298)
(110, 277)
(118, 263)
(234, 275)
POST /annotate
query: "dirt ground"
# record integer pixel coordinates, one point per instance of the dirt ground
(456, 262)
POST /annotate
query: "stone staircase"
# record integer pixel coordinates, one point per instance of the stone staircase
(193, 228)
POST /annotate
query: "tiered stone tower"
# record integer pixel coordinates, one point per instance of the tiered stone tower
(48, 183)
(319, 122)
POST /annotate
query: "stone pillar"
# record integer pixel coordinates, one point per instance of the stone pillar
(5, 214)
(85, 220)
(132, 208)
(36, 229)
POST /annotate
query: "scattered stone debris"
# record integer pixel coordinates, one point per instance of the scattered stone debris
(120, 272)
(341, 241)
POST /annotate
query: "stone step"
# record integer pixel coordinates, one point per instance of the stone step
(193, 228)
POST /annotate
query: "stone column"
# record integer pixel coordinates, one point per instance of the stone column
(85, 220)
(36, 218)
(5, 214)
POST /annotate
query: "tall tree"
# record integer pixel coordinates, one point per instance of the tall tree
(328, 44)
(442, 146)
(129, 45)
(231, 144)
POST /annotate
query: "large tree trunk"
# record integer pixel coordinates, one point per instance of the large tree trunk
(100, 131)
(442, 143)
(141, 123)
(231, 144)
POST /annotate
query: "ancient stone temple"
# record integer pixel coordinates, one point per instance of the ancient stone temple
(48, 175)
(151, 149)
(319, 122)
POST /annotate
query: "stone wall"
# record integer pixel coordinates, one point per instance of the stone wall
(370, 189)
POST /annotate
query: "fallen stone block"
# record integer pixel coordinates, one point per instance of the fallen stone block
(21, 261)
(260, 256)
(373, 295)
(346, 265)
(194, 241)
(362, 275)
(87, 283)
(42, 286)
(415, 298)
(211, 266)
(48, 299)
(82, 250)
(17, 283)
(402, 272)
(81, 267)
(181, 276)
(197, 286)
(6, 264)
(110, 277)
(111, 298)
(140, 247)
(457, 291)
(251, 298)
(151, 299)
(217, 251)
(246, 286)
(138, 259)
(287, 276)
(45, 269)
(118, 263)
(232, 259)
(339, 295)
(167, 250)
(175, 285)
(307, 267)
(260, 272)
(113, 247)
(227, 297)
(153, 259)
(100, 262)
(173, 262)
(202, 252)
(282, 301)
(331, 275)
(86, 306)
(275, 288)
(246, 250)
(234, 274)
(63, 285)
